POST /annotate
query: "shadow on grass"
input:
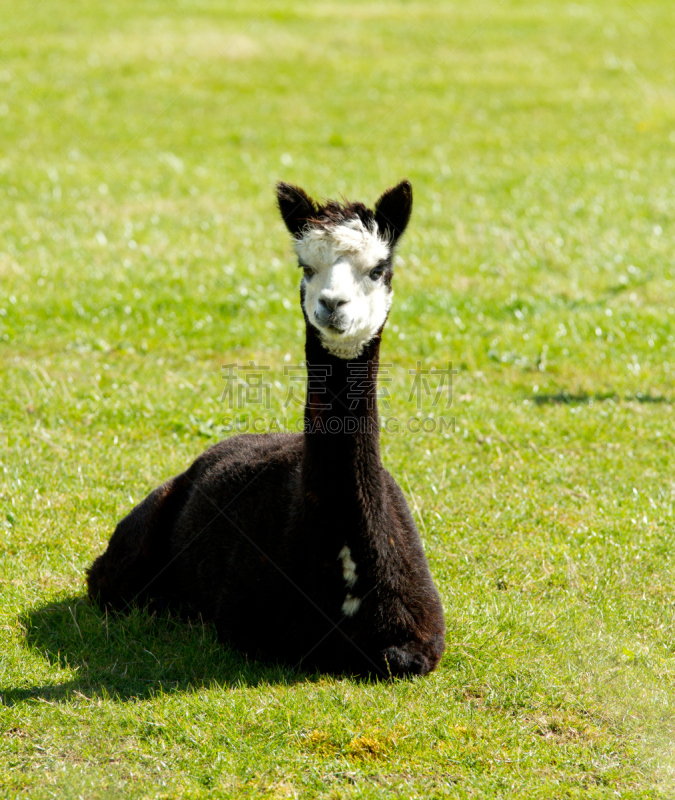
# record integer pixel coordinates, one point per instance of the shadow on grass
(133, 656)
(568, 398)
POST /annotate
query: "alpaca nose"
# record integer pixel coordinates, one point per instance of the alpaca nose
(331, 304)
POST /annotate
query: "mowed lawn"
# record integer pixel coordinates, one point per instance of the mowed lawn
(141, 251)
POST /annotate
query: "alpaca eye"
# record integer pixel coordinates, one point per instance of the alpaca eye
(309, 272)
(376, 273)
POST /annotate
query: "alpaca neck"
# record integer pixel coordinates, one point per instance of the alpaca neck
(342, 443)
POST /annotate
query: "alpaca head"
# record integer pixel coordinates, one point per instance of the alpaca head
(345, 251)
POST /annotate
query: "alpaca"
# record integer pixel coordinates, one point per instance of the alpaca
(301, 547)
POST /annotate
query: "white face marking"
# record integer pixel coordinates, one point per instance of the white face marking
(351, 605)
(348, 566)
(342, 300)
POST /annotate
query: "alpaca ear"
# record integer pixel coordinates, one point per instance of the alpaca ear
(393, 209)
(296, 207)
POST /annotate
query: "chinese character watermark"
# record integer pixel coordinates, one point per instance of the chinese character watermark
(250, 386)
(421, 384)
(251, 389)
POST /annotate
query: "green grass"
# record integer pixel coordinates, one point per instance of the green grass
(140, 251)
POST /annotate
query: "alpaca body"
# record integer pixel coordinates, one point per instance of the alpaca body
(299, 547)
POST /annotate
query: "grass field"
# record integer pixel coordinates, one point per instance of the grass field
(140, 251)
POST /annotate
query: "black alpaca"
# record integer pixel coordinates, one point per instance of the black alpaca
(300, 547)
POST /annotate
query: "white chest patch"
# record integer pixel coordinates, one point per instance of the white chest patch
(348, 567)
(351, 605)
